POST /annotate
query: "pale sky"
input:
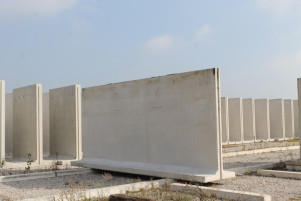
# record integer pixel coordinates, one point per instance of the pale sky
(255, 43)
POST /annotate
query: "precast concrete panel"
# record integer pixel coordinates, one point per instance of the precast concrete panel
(299, 106)
(65, 122)
(27, 122)
(2, 120)
(9, 125)
(277, 122)
(46, 137)
(296, 119)
(262, 119)
(165, 126)
(225, 120)
(249, 119)
(235, 120)
(289, 118)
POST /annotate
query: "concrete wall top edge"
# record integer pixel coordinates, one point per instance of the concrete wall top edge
(37, 85)
(65, 87)
(215, 71)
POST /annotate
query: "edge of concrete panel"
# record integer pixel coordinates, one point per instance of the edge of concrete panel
(241, 131)
(299, 104)
(225, 120)
(79, 122)
(2, 120)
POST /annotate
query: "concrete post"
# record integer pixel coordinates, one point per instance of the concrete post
(235, 120)
(46, 137)
(262, 119)
(289, 118)
(65, 122)
(2, 120)
(225, 120)
(9, 125)
(277, 122)
(296, 119)
(249, 119)
(27, 122)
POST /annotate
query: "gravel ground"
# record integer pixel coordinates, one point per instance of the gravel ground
(280, 189)
(259, 145)
(264, 158)
(61, 185)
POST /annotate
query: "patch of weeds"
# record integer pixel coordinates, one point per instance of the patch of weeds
(249, 173)
(107, 176)
(293, 140)
(29, 162)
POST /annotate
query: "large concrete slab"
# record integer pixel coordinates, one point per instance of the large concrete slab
(262, 119)
(2, 120)
(277, 121)
(46, 137)
(65, 122)
(249, 119)
(27, 122)
(289, 118)
(225, 120)
(9, 125)
(235, 120)
(297, 119)
(165, 126)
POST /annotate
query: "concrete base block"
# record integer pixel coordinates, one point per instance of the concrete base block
(165, 171)
(293, 165)
(223, 193)
(280, 174)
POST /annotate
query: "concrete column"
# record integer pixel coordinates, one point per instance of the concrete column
(46, 137)
(289, 118)
(277, 122)
(65, 122)
(27, 122)
(2, 120)
(249, 119)
(225, 120)
(296, 119)
(235, 120)
(262, 119)
(9, 125)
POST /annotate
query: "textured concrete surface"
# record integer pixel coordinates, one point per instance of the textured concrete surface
(65, 121)
(167, 125)
(262, 119)
(249, 127)
(27, 122)
(296, 119)
(277, 122)
(46, 137)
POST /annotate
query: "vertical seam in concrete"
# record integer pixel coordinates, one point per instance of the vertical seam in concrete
(78, 122)
(241, 120)
(253, 119)
(268, 120)
(299, 103)
(293, 118)
(283, 119)
(39, 123)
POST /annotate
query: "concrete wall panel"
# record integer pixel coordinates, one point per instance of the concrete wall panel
(289, 118)
(277, 122)
(225, 120)
(9, 125)
(262, 119)
(296, 119)
(165, 126)
(249, 119)
(46, 137)
(27, 122)
(2, 120)
(235, 120)
(65, 121)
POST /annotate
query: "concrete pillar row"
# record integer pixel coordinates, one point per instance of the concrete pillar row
(2, 120)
